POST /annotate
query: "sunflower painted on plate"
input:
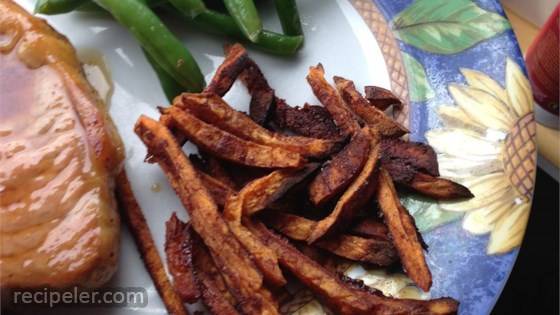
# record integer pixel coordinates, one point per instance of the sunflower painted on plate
(488, 144)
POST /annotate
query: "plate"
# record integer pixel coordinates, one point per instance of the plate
(458, 68)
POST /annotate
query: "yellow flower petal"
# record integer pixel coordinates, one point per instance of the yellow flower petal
(482, 221)
(464, 168)
(509, 230)
(518, 89)
(486, 189)
(482, 107)
(479, 80)
(462, 143)
(455, 117)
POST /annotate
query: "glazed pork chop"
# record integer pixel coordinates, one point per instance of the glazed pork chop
(59, 154)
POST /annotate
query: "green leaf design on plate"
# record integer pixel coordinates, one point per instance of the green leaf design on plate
(426, 212)
(418, 85)
(447, 26)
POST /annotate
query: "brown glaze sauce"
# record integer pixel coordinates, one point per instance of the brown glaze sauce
(59, 152)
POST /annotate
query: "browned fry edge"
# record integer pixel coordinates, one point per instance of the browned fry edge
(369, 227)
(438, 188)
(212, 109)
(374, 251)
(178, 252)
(214, 291)
(145, 243)
(235, 61)
(341, 170)
(403, 232)
(382, 98)
(262, 95)
(218, 190)
(356, 196)
(372, 116)
(328, 96)
(413, 155)
(310, 120)
(229, 147)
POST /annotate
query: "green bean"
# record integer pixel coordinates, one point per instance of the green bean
(246, 17)
(190, 8)
(91, 7)
(57, 6)
(170, 87)
(267, 41)
(158, 41)
(289, 17)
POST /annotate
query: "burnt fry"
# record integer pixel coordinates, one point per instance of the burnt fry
(214, 110)
(262, 95)
(327, 95)
(438, 188)
(231, 258)
(382, 98)
(418, 156)
(254, 197)
(229, 147)
(342, 297)
(403, 232)
(235, 61)
(214, 291)
(341, 170)
(311, 120)
(179, 258)
(371, 228)
(356, 196)
(372, 116)
(143, 238)
(374, 251)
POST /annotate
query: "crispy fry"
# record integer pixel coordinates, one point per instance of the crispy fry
(328, 96)
(382, 98)
(374, 251)
(252, 198)
(262, 95)
(311, 120)
(339, 296)
(371, 228)
(235, 61)
(214, 110)
(217, 170)
(341, 170)
(215, 294)
(229, 147)
(228, 254)
(438, 188)
(214, 184)
(141, 232)
(418, 156)
(372, 116)
(179, 258)
(261, 192)
(218, 190)
(357, 195)
(403, 232)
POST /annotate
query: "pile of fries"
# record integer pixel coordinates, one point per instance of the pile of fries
(321, 176)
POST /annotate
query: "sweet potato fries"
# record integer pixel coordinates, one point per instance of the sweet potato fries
(227, 257)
